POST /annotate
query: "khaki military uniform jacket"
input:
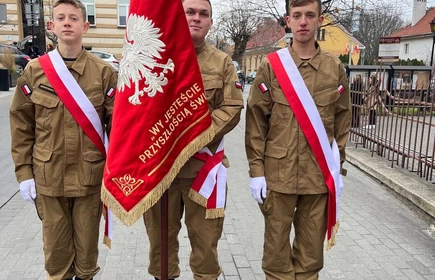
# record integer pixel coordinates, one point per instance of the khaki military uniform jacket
(276, 147)
(225, 100)
(47, 143)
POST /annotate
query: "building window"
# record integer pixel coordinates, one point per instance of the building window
(90, 11)
(123, 6)
(321, 34)
(3, 15)
(406, 48)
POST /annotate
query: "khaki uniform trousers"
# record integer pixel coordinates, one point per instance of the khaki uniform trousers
(70, 228)
(304, 259)
(204, 234)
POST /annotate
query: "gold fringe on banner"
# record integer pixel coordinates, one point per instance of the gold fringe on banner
(215, 213)
(129, 218)
(209, 213)
(196, 197)
(106, 240)
(331, 242)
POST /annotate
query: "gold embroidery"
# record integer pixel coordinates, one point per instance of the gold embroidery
(127, 184)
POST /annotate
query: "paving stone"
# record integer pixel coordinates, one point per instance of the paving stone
(379, 238)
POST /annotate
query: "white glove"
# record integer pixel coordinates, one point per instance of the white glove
(28, 190)
(258, 188)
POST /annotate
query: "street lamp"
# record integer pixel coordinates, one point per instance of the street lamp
(432, 29)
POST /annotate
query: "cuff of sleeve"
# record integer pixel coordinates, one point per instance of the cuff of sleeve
(256, 172)
(24, 174)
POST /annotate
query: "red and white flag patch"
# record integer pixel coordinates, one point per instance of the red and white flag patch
(111, 92)
(238, 85)
(26, 90)
(263, 87)
(340, 89)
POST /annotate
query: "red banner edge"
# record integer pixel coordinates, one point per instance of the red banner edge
(130, 217)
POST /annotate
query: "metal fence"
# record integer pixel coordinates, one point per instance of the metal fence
(397, 121)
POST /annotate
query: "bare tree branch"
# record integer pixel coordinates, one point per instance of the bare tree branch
(239, 24)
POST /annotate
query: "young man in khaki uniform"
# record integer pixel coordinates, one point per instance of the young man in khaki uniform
(286, 179)
(59, 168)
(226, 102)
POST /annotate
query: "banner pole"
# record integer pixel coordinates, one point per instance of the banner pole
(164, 236)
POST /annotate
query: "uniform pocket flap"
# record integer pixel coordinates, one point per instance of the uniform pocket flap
(326, 99)
(45, 99)
(276, 151)
(42, 155)
(280, 98)
(96, 99)
(210, 84)
(222, 115)
(92, 156)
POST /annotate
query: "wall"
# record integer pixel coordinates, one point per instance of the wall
(11, 30)
(419, 48)
(337, 41)
(104, 36)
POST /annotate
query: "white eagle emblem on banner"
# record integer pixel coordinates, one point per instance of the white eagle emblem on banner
(141, 48)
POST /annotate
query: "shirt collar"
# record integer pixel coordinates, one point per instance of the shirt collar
(80, 63)
(314, 61)
(200, 48)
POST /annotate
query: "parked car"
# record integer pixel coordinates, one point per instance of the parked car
(110, 58)
(21, 59)
(250, 78)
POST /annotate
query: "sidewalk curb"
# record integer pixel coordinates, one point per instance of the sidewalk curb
(418, 191)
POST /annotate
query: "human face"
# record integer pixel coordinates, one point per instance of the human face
(304, 22)
(199, 19)
(68, 24)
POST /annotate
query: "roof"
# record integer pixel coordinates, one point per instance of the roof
(267, 34)
(422, 27)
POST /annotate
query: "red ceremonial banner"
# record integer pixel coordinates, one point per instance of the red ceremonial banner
(161, 116)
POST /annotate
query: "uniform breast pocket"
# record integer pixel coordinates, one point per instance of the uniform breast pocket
(325, 101)
(281, 111)
(97, 100)
(213, 86)
(45, 109)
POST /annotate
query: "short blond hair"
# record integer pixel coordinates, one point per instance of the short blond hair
(300, 3)
(76, 3)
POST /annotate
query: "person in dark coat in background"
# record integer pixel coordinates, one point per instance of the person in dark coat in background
(357, 98)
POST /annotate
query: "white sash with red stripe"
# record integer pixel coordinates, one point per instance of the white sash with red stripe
(210, 183)
(305, 110)
(72, 95)
(80, 107)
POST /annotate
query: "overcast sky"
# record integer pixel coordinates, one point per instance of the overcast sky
(403, 7)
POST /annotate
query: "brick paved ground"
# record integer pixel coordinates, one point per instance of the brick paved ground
(379, 237)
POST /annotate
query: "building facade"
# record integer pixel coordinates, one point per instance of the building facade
(416, 39)
(107, 20)
(270, 36)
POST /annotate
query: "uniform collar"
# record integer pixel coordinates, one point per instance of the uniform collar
(200, 48)
(314, 61)
(80, 63)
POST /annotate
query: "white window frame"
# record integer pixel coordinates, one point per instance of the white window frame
(406, 48)
(127, 7)
(87, 5)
